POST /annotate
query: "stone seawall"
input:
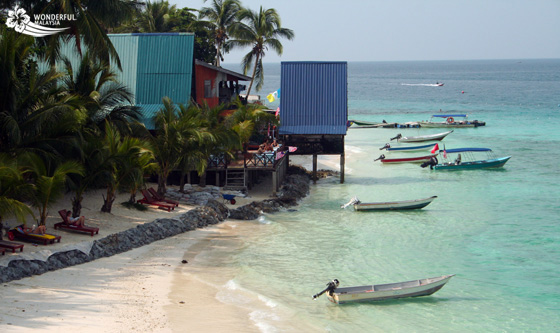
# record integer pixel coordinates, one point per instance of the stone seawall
(294, 188)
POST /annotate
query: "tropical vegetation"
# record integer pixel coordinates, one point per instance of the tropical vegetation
(67, 128)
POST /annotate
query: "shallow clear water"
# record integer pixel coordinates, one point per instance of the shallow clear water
(498, 230)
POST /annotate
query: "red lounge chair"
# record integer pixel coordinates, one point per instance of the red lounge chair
(158, 197)
(66, 225)
(45, 239)
(11, 245)
(149, 200)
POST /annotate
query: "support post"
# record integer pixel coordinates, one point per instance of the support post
(342, 161)
(274, 182)
(314, 169)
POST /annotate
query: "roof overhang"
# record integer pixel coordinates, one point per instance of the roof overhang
(239, 76)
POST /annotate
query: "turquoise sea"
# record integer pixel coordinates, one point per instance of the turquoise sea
(497, 230)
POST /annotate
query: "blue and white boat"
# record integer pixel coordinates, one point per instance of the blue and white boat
(465, 159)
(450, 121)
(408, 148)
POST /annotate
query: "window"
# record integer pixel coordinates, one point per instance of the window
(207, 88)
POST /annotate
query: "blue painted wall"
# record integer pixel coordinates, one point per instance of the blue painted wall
(314, 98)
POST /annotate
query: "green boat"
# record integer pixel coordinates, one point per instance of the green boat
(466, 160)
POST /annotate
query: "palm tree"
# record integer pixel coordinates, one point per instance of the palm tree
(260, 31)
(36, 113)
(225, 139)
(102, 96)
(92, 19)
(248, 117)
(48, 182)
(222, 15)
(166, 142)
(158, 16)
(120, 156)
(13, 189)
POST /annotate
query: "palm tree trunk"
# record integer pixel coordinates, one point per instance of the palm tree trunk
(77, 205)
(108, 202)
(162, 179)
(253, 77)
(182, 182)
(218, 47)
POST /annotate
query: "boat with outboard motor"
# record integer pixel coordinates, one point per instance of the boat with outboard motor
(415, 159)
(466, 159)
(390, 205)
(422, 138)
(406, 149)
(380, 292)
(450, 121)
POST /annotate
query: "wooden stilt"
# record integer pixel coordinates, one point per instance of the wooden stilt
(314, 169)
(342, 162)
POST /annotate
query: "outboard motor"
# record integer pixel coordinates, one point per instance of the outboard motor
(387, 146)
(352, 201)
(331, 286)
(432, 162)
(382, 157)
(397, 137)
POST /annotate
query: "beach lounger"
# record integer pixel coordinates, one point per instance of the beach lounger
(11, 246)
(45, 239)
(158, 197)
(66, 225)
(149, 200)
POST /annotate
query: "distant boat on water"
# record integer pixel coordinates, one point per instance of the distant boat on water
(450, 121)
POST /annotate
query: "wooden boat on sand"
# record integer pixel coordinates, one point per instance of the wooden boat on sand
(380, 292)
(422, 138)
(390, 205)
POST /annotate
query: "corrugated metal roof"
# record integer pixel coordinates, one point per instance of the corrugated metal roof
(165, 65)
(127, 49)
(239, 76)
(148, 113)
(314, 98)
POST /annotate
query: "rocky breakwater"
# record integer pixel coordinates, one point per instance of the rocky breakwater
(295, 187)
(17, 267)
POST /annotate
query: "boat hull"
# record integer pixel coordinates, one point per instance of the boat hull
(396, 205)
(422, 138)
(427, 124)
(415, 288)
(482, 164)
(418, 159)
(411, 149)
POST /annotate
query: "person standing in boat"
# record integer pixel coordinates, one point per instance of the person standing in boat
(458, 160)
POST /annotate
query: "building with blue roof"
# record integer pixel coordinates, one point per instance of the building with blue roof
(314, 108)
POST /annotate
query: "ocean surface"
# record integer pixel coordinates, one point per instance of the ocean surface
(497, 230)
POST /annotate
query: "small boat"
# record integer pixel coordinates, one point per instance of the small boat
(407, 148)
(471, 162)
(380, 292)
(391, 205)
(416, 159)
(439, 84)
(368, 124)
(450, 121)
(421, 138)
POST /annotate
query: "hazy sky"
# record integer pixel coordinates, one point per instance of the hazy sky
(385, 30)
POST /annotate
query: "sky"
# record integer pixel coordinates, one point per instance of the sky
(400, 30)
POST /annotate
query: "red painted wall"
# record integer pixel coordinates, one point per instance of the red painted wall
(202, 74)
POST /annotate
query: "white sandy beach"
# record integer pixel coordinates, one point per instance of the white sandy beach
(147, 289)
